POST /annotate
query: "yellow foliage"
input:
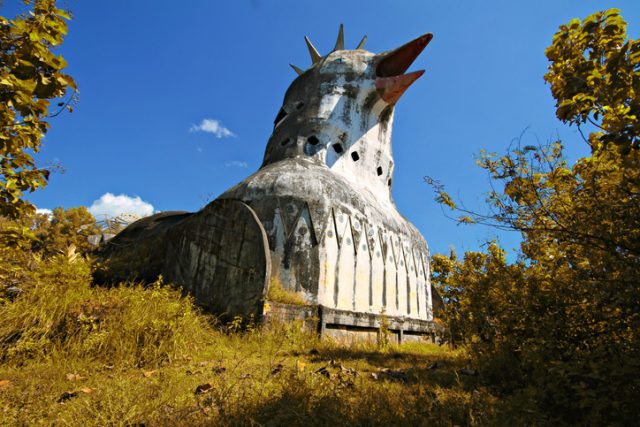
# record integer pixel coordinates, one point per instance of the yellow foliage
(561, 326)
(30, 78)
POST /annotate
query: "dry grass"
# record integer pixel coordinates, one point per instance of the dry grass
(277, 293)
(275, 377)
(73, 354)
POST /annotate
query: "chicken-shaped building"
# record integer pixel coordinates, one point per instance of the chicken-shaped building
(316, 221)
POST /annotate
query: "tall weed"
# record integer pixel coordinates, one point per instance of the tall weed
(61, 316)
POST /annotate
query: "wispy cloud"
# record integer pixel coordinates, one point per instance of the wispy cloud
(111, 205)
(214, 127)
(236, 164)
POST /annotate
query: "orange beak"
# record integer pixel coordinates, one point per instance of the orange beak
(391, 82)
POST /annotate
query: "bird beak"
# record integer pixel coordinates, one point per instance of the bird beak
(391, 82)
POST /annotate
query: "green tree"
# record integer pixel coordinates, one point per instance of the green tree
(30, 78)
(563, 322)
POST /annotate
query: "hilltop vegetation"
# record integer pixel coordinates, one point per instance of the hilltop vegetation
(79, 354)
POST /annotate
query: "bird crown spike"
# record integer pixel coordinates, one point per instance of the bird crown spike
(340, 40)
(315, 56)
(362, 42)
(296, 69)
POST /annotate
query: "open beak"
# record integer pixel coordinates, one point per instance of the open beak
(391, 81)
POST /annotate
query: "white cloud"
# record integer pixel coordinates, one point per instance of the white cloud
(236, 163)
(112, 205)
(212, 126)
(44, 211)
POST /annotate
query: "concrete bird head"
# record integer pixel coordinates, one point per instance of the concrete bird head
(343, 103)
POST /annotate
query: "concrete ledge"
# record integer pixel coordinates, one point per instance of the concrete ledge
(351, 326)
(288, 313)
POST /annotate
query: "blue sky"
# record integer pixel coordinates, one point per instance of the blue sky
(150, 73)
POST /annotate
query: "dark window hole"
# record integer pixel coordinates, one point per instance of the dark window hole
(313, 140)
(355, 156)
(299, 105)
(338, 147)
(285, 141)
(281, 115)
(379, 170)
(389, 182)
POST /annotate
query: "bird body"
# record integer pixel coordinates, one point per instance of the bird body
(317, 219)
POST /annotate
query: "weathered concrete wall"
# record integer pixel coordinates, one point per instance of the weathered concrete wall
(349, 326)
(303, 316)
(219, 255)
(336, 245)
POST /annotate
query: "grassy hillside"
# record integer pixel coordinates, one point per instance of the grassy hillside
(76, 354)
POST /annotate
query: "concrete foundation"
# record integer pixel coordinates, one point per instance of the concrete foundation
(349, 327)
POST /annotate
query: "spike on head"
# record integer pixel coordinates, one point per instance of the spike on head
(361, 44)
(315, 56)
(340, 40)
(296, 69)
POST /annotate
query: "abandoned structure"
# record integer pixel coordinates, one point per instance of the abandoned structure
(316, 220)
